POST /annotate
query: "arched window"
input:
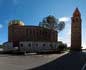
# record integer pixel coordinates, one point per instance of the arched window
(29, 45)
(21, 45)
(44, 45)
(77, 19)
(73, 20)
(36, 44)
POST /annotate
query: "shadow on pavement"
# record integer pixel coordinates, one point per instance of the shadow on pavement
(70, 61)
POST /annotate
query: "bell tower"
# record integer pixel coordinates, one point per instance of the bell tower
(76, 31)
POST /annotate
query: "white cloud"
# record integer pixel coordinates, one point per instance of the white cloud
(1, 26)
(65, 35)
(65, 39)
(65, 19)
(84, 45)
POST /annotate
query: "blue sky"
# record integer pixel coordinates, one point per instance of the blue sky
(31, 12)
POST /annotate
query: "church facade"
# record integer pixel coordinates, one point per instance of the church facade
(30, 38)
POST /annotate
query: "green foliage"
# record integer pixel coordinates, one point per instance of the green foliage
(61, 26)
(51, 22)
(1, 46)
(62, 46)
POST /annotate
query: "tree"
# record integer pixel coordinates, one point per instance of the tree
(1, 46)
(51, 22)
(62, 46)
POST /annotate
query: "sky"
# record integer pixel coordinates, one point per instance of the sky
(31, 12)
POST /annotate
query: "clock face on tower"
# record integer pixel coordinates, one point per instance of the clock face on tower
(76, 14)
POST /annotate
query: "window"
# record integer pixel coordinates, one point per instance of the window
(30, 32)
(36, 44)
(21, 45)
(26, 32)
(55, 45)
(73, 20)
(76, 19)
(50, 45)
(40, 32)
(29, 45)
(44, 45)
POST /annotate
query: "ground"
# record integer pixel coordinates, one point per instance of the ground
(64, 61)
(21, 62)
(69, 61)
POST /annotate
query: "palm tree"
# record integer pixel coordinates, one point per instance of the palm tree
(51, 22)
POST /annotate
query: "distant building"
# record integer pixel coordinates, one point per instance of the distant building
(30, 38)
(76, 31)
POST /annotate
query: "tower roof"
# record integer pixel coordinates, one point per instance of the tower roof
(76, 12)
